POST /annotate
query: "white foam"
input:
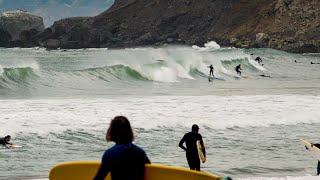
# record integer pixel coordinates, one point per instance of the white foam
(209, 46)
(15, 62)
(308, 177)
(216, 112)
(165, 74)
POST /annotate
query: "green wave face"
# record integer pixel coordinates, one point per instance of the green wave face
(197, 73)
(231, 64)
(17, 77)
(166, 70)
(120, 72)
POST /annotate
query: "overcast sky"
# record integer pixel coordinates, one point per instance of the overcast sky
(52, 10)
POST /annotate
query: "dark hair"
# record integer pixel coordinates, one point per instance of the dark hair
(120, 130)
(195, 128)
(6, 138)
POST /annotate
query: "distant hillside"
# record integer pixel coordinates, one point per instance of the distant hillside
(58, 9)
(290, 25)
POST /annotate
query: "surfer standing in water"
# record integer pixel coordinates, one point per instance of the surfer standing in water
(238, 69)
(190, 139)
(6, 141)
(125, 161)
(318, 167)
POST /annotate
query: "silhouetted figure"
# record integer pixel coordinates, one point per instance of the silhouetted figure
(258, 59)
(124, 160)
(238, 69)
(190, 139)
(318, 167)
(6, 141)
(211, 70)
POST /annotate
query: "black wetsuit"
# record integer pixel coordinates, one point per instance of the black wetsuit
(124, 161)
(192, 155)
(211, 70)
(258, 59)
(238, 68)
(3, 142)
(318, 167)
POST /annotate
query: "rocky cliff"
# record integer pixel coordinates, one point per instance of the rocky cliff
(17, 25)
(290, 25)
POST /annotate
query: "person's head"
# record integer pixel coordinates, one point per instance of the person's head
(120, 131)
(7, 138)
(195, 128)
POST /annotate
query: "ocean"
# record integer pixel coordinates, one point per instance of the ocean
(58, 104)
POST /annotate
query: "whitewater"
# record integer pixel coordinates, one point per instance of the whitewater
(57, 105)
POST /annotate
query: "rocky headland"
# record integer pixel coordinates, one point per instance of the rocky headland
(18, 26)
(289, 25)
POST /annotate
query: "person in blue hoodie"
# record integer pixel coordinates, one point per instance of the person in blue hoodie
(125, 160)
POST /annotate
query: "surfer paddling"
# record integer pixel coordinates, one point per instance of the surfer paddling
(192, 154)
(6, 141)
(125, 161)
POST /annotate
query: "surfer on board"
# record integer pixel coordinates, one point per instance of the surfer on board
(6, 141)
(190, 139)
(125, 161)
(211, 70)
(258, 59)
(238, 69)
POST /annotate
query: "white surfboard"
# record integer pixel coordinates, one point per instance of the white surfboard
(313, 150)
(200, 152)
(14, 146)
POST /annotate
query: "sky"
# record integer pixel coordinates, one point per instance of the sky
(53, 10)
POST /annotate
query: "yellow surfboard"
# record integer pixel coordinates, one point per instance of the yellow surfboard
(86, 170)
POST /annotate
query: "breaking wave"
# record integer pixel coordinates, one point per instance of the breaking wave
(100, 69)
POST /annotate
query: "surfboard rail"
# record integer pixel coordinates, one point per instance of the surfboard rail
(200, 152)
(86, 170)
(313, 150)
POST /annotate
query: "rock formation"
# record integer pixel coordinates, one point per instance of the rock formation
(16, 22)
(290, 25)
